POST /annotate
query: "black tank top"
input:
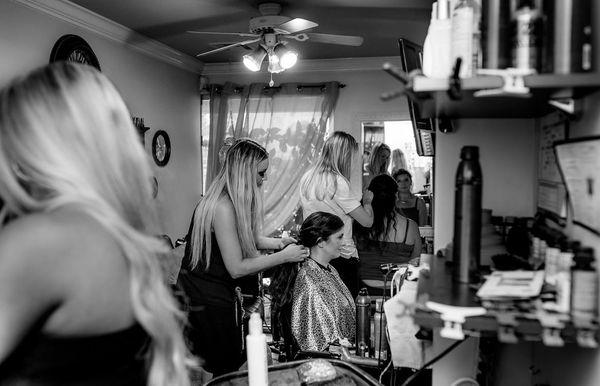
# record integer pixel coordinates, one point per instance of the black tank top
(411, 213)
(213, 286)
(114, 359)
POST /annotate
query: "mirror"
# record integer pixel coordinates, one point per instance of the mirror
(399, 137)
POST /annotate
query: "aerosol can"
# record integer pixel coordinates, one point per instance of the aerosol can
(363, 323)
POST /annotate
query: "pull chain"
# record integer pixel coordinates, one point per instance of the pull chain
(271, 83)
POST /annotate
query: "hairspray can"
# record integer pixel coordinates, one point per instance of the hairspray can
(467, 217)
(363, 323)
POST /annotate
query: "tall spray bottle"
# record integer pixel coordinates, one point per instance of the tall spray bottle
(437, 60)
(256, 351)
(466, 36)
(467, 217)
(363, 323)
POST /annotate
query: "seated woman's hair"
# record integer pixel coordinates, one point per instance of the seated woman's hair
(318, 226)
(384, 190)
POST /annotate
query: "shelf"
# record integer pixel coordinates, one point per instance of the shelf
(436, 285)
(433, 100)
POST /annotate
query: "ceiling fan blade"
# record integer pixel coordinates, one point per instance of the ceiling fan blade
(242, 34)
(228, 47)
(296, 25)
(346, 40)
(221, 44)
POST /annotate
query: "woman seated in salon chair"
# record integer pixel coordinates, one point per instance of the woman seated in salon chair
(393, 238)
(311, 306)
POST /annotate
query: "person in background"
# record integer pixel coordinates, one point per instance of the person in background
(309, 299)
(398, 161)
(392, 238)
(82, 295)
(326, 187)
(408, 204)
(379, 161)
(225, 235)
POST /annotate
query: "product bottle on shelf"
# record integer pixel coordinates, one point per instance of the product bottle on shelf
(467, 217)
(584, 284)
(466, 36)
(527, 27)
(437, 61)
(495, 34)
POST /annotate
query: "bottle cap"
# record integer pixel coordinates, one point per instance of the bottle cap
(443, 10)
(469, 153)
(363, 296)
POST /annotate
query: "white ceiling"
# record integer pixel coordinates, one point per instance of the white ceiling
(379, 22)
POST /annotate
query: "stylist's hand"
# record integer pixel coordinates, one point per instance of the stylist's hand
(294, 253)
(286, 241)
(367, 197)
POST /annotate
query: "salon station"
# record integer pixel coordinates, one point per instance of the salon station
(424, 172)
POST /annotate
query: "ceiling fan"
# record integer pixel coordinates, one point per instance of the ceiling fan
(272, 32)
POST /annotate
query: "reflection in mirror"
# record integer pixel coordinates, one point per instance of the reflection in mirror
(402, 154)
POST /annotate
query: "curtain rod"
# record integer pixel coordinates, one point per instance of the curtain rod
(299, 86)
(341, 85)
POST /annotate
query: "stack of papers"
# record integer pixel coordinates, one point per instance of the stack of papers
(512, 284)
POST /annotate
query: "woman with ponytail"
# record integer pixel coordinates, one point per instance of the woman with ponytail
(82, 295)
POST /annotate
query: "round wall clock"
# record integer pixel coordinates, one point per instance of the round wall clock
(161, 148)
(73, 48)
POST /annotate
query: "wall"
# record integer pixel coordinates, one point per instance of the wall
(169, 101)
(508, 164)
(359, 101)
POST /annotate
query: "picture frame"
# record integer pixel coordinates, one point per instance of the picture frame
(161, 148)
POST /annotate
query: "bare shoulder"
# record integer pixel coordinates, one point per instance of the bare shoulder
(32, 235)
(31, 256)
(224, 209)
(48, 239)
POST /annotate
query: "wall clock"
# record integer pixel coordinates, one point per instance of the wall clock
(161, 148)
(73, 48)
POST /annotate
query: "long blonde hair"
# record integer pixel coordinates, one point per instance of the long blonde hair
(376, 166)
(67, 140)
(335, 160)
(236, 180)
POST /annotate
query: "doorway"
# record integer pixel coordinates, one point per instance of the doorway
(399, 136)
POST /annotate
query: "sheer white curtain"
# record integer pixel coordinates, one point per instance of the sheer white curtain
(290, 121)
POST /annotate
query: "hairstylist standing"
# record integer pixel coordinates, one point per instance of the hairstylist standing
(325, 187)
(224, 242)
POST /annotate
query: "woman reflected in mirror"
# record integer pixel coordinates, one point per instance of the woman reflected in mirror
(407, 203)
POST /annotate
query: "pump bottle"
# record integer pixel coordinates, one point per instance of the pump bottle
(256, 351)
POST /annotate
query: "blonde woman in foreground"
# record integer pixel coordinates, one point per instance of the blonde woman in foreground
(82, 295)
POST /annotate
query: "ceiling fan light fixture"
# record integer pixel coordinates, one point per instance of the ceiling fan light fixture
(254, 60)
(288, 58)
(275, 65)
